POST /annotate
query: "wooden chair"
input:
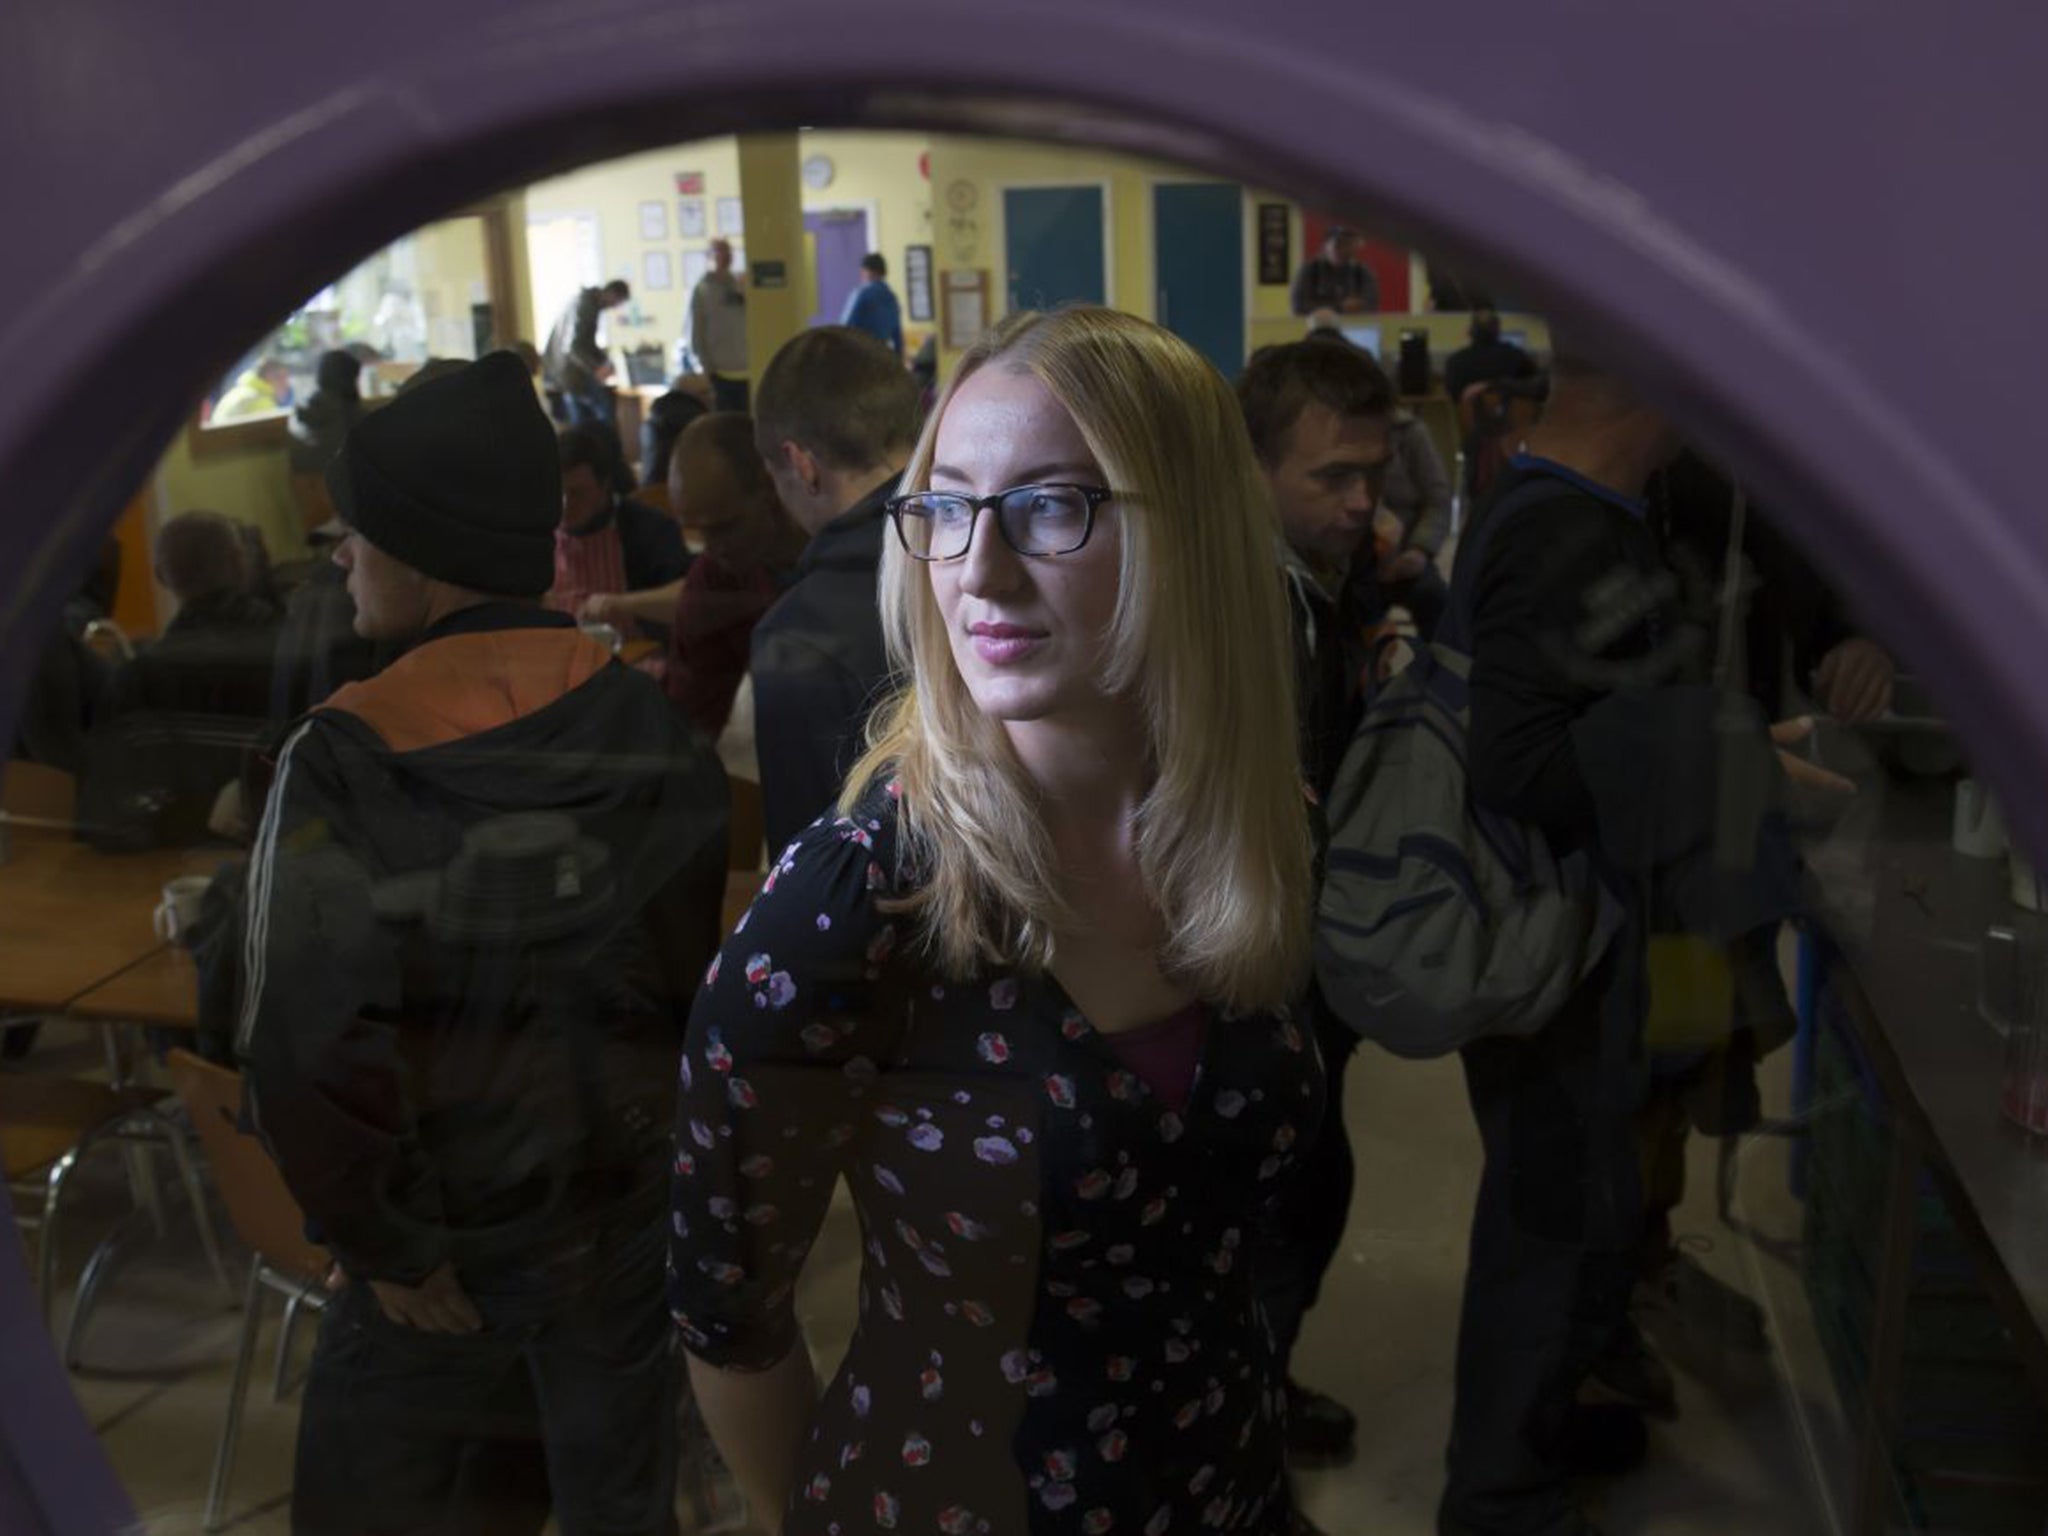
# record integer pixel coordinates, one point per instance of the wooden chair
(269, 1222)
(49, 1123)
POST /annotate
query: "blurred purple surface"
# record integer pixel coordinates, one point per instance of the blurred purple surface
(1814, 226)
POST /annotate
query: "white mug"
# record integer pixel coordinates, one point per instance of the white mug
(1979, 824)
(179, 909)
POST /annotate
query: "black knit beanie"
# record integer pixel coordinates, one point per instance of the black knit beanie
(458, 479)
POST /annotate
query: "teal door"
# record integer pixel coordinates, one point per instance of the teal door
(1053, 245)
(1198, 234)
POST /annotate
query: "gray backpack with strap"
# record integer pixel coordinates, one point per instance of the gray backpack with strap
(1441, 923)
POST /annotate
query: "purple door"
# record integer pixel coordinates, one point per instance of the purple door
(841, 240)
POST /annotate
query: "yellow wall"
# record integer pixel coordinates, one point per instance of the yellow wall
(970, 232)
(964, 229)
(872, 172)
(249, 484)
(517, 322)
(878, 171)
(614, 192)
(1269, 300)
(453, 274)
(775, 232)
(968, 177)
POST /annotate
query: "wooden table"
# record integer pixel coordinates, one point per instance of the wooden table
(71, 917)
(162, 987)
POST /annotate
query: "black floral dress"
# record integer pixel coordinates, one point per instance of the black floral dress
(1057, 1331)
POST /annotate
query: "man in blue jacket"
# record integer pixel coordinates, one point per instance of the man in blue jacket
(872, 307)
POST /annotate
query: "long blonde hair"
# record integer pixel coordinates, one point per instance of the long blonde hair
(1199, 642)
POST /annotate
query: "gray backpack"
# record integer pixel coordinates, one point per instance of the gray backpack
(1441, 923)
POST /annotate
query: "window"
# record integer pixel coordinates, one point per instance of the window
(431, 293)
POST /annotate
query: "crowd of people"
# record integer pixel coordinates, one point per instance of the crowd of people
(1052, 677)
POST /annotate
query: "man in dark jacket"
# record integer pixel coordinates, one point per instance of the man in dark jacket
(834, 416)
(574, 366)
(1320, 419)
(215, 654)
(1487, 359)
(180, 719)
(1571, 603)
(483, 890)
(1336, 279)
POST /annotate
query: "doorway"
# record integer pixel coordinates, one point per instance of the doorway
(1054, 246)
(564, 256)
(1198, 246)
(837, 239)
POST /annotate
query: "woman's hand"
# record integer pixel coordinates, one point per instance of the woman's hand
(600, 608)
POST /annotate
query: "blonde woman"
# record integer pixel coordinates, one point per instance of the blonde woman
(1027, 992)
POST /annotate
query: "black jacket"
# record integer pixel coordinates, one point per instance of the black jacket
(485, 1101)
(819, 667)
(1320, 283)
(177, 724)
(1574, 601)
(1793, 618)
(1487, 362)
(215, 657)
(1329, 660)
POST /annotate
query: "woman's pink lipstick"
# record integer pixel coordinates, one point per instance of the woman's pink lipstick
(1002, 645)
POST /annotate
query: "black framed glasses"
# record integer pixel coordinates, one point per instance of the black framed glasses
(1037, 521)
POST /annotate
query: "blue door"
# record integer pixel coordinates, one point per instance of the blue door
(1053, 243)
(1198, 234)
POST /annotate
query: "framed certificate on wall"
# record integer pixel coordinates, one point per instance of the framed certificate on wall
(917, 282)
(963, 293)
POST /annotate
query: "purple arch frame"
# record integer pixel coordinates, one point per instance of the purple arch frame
(1806, 220)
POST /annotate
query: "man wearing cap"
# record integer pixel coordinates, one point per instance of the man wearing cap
(485, 885)
(1337, 279)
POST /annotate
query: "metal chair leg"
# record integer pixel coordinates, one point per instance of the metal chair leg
(93, 1278)
(46, 1232)
(238, 1390)
(292, 1305)
(195, 1192)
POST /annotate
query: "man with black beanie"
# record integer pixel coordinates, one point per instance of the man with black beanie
(486, 883)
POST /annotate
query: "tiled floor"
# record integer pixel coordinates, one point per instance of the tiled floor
(1742, 1457)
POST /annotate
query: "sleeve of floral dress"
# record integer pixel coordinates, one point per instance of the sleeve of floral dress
(784, 1040)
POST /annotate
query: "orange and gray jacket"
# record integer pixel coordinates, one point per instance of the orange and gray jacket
(433, 1097)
